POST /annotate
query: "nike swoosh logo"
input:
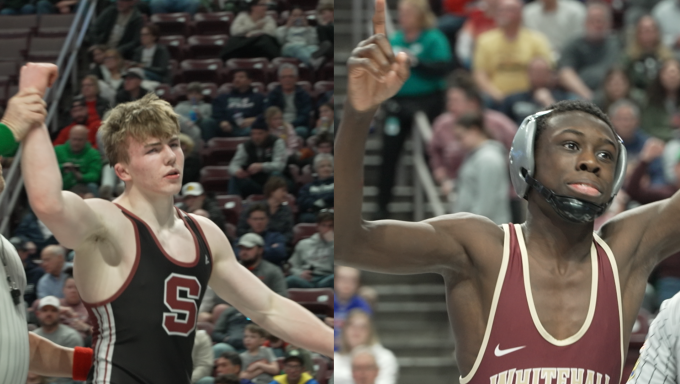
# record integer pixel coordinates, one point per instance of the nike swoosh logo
(502, 352)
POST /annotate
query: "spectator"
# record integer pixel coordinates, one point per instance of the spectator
(481, 18)
(152, 57)
(645, 53)
(365, 368)
(326, 121)
(227, 364)
(33, 271)
(430, 57)
(96, 55)
(228, 333)
(292, 99)
(283, 130)
(276, 206)
(543, 92)
(236, 111)
(482, 183)
(174, 6)
(110, 75)
(560, 21)
(80, 116)
(445, 151)
(616, 86)
(294, 373)
(297, 38)
(325, 30)
(25, 7)
(667, 14)
(195, 198)
(230, 379)
(320, 193)
(274, 242)
(663, 97)
(256, 161)
(503, 54)
(253, 34)
(359, 332)
(72, 310)
(66, 6)
(312, 261)
(202, 356)
(96, 104)
(119, 27)
(259, 362)
(35, 231)
(323, 143)
(585, 60)
(346, 298)
(250, 254)
(192, 160)
(195, 109)
(52, 262)
(132, 86)
(78, 161)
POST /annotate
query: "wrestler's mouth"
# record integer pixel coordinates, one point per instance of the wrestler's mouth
(585, 189)
(174, 174)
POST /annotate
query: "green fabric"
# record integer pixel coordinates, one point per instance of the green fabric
(8, 146)
(656, 121)
(88, 159)
(430, 46)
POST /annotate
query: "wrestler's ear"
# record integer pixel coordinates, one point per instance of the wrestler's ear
(122, 172)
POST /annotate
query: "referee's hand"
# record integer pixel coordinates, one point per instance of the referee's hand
(24, 111)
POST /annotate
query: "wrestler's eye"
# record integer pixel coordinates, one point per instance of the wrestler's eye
(570, 145)
(606, 155)
(152, 150)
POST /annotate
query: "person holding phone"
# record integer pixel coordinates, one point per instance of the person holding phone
(297, 38)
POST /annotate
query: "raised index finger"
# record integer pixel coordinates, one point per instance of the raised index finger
(379, 17)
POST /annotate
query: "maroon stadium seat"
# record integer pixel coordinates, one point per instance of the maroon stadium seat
(317, 300)
(172, 23)
(18, 24)
(220, 150)
(55, 25)
(45, 48)
(215, 178)
(164, 92)
(215, 23)
(321, 87)
(204, 71)
(10, 70)
(257, 68)
(206, 47)
(326, 73)
(14, 49)
(302, 231)
(231, 206)
(179, 92)
(304, 84)
(209, 91)
(176, 44)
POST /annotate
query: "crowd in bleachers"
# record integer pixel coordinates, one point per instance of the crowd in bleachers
(251, 83)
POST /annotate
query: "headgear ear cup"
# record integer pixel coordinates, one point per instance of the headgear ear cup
(522, 153)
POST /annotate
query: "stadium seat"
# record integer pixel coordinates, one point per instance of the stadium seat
(220, 150)
(254, 198)
(215, 23)
(206, 47)
(204, 71)
(311, 18)
(257, 68)
(321, 87)
(172, 23)
(55, 25)
(45, 49)
(16, 25)
(226, 88)
(317, 300)
(179, 92)
(231, 206)
(215, 178)
(9, 70)
(209, 91)
(14, 49)
(304, 84)
(176, 44)
(165, 92)
(326, 73)
(302, 231)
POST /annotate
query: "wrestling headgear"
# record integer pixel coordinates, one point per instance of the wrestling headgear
(522, 168)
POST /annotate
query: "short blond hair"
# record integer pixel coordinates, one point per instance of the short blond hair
(140, 120)
(270, 112)
(428, 20)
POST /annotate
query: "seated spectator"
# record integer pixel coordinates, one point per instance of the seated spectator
(543, 93)
(323, 143)
(194, 108)
(72, 310)
(202, 356)
(32, 270)
(230, 379)
(96, 104)
(325, 98)
(237, 110)
(346, 298)
(284, 131)
(196, 198)
(132, 86)
(80, 116)
(502, 55)
(96, 55)
(481, 18)
(152, 57)
(192, 159)
(297, 38)
(294, 372)
(229, 331)
(616, 86)
(110, 75)
(325, 29)
(365, 368)
(227, 365)
(292, 99)
(259, 362)
(174, 6)
(326, 121)
(78, 161)
(312, 261)
(278, 211)
(663, 97)
(119, 27)
(256, 160)
(645, 53)
(251, 246)
(53, 258)
(319, 194)
(445, 151)
(33, 230)
(667, 14)
(482, 183)
(253, 34)
(560, 21)
(26, 7)
(585, 60)
(274, 242)
(359, 332)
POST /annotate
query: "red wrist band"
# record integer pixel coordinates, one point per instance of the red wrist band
(82, 361)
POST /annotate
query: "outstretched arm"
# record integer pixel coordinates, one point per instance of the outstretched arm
(49, 359)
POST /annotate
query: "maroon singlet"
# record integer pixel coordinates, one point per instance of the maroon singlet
(517, 349)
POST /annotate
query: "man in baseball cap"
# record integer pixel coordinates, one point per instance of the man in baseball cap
(293, 366)
(250, 249)
(195, 200)
(51, 328)
(132, 87)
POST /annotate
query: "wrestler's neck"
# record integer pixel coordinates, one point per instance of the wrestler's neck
(158, 211)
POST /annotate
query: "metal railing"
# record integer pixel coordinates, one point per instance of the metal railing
(14, 182)
(423, 183)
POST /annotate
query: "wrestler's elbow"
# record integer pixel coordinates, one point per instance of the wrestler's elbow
(350, 243)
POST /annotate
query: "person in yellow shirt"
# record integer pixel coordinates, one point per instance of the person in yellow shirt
(293, 366)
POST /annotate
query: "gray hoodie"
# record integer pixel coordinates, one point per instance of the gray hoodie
(315, 254)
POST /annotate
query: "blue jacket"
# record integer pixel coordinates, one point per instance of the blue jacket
(303, 104)
(250, 104)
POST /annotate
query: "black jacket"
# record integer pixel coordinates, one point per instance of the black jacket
(303, 104)
(159, 64)
(124, 96)
(101, 30)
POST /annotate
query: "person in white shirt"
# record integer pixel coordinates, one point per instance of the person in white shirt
(559, 20)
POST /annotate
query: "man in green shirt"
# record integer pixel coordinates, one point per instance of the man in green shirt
(78, 161)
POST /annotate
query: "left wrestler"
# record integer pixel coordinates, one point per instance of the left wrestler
(21, 351)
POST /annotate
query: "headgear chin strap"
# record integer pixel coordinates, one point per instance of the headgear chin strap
(569, 208)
